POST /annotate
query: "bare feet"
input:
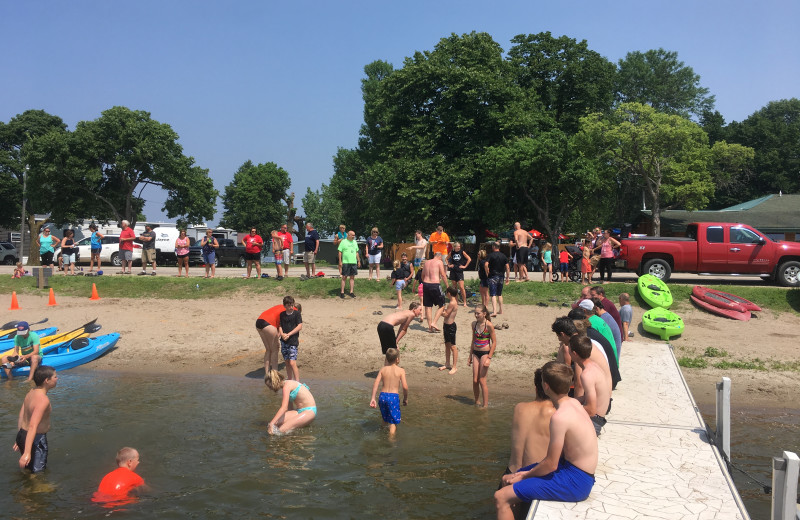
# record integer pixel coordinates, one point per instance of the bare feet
(444, 367)
(453, 371)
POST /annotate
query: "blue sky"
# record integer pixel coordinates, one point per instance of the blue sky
(280, 81)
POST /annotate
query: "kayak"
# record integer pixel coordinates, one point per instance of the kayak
(662, 323)
(723, 299)
(7, 345)
(9, 330)
(72, 353)
(654, 291)
(83, 331)
(721, 311)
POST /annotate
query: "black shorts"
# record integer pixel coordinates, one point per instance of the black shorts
(449, 330)
(46, 258)
(522, 256)
(255, 257)
(349, 269)
(183, 256)
(432, 295)
(262, 324)
(456, 275)
(38, 452)
(387, 336)
(484, 282)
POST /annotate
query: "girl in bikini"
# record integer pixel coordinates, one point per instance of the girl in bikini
(294, 394)
(484, 343)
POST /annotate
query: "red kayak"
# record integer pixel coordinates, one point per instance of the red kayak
(724, 300)
(726, 312)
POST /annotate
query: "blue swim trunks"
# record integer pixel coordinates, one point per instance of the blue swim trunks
(289, 352)
(389, 404)
(566, 484)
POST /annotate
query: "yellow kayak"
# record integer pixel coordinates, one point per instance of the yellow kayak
(81, 332)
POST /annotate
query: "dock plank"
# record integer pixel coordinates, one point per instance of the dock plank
(656, 461)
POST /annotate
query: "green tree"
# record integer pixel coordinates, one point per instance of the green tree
(665, 155)
(323, 210)
(731, 169)
(659, 79)
(539, 179)
(125, 150)
(256, 197)
(564, 75)
(774, 133)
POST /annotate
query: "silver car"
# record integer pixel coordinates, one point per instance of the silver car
(109, 253)
(8, 253)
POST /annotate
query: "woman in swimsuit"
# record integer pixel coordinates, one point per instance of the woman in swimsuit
(484, 343)
(294, 394)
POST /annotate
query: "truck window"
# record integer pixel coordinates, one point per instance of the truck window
(714, 234)
(691, 232)
(743, 236)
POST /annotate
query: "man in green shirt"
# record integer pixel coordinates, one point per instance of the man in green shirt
(26, 351)
(348, 261)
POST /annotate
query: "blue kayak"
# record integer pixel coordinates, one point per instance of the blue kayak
(72, 353)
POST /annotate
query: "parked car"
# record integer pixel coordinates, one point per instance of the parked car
(8, 253)
(109, 253)
(228, 253)
(714, 248)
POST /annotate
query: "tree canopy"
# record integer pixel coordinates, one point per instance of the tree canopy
(256, 197)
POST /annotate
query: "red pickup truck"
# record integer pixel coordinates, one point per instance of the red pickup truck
(714, 248)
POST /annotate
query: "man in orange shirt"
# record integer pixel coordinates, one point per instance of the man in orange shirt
(439, 242)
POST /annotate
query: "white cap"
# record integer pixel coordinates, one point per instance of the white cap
(586, 304)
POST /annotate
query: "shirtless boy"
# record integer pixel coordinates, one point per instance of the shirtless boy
(433, 274)
(596, 398)
(387, 325)
(530, 428)
(34, 417)
(392, 376)
(450, 328)
(523, 239)
(571, 457)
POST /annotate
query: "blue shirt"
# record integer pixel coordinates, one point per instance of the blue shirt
(96, 244)
(312, 237)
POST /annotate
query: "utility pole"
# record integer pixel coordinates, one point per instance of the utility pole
(22, 222)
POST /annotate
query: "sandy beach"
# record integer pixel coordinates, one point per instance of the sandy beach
(339, 341)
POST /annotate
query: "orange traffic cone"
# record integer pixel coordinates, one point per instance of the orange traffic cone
(95, 296)
(52, 301)
(14, 303)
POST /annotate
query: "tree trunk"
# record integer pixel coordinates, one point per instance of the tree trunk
(33, 250)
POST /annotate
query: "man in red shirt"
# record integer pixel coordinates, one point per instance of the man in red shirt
(126, 238)
(287, 248)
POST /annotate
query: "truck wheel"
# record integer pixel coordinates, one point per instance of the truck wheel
(9, 260)
(659, 268)
(789, 274)
(115, 261)
(242, 261)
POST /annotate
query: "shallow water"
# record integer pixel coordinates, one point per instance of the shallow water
(204, 451)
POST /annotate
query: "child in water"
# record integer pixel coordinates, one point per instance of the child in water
(117, 485)
(484, 343)
(295, 395)
(392, 377)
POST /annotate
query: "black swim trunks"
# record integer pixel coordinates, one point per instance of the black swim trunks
(387, 336)
(449, 330)
(38, 460)
(432, 295)
(598, 422)
(522, 255)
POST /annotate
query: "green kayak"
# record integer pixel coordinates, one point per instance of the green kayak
(654, 291)
(662, 323)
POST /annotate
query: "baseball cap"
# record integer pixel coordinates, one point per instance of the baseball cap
(23, 328)
(586, 304)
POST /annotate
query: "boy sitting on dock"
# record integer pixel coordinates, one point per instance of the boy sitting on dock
(596, 398)
(530, 428)
(392, 377)
(566, 474)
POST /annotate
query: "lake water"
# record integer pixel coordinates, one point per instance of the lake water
(205, 453)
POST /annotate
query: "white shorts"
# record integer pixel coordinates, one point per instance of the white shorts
(375, 259)
(68, 259)
(287, 256)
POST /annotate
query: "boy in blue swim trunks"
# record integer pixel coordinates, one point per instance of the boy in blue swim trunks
(392, 377)
(566, 474)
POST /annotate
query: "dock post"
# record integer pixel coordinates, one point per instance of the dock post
(723, 438)
(785, 472)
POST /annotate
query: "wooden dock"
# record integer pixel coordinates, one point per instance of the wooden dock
(656, 461)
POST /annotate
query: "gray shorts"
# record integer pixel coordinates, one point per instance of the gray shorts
(68, 259)
(349, 270)
(126, 255)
